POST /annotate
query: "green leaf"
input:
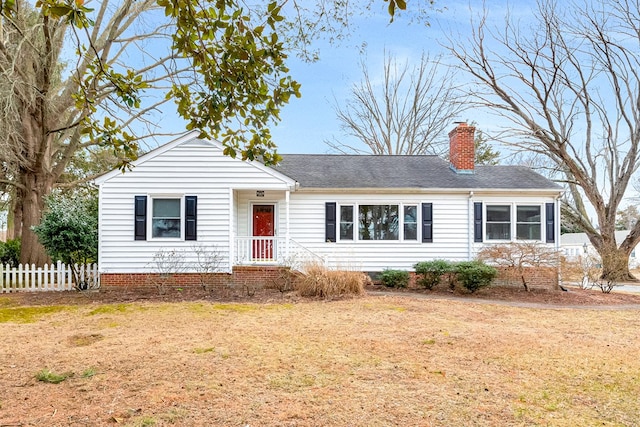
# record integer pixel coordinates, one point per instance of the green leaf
(59, 11)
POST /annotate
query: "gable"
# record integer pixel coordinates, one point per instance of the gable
(193, 160)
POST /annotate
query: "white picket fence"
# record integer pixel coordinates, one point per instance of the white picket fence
(53, 277)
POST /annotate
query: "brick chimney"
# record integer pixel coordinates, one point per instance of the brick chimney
(462, 148)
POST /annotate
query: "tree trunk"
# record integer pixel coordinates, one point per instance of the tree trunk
(615, 265)
(36, 189)
(14, 218)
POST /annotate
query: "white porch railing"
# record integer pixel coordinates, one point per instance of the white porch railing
(273, 250)
(259, 250)
(54, 277)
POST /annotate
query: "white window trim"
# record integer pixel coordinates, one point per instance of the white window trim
(418, 207)
(513, 222)
(540, 223)
(356, 222)
(354, 236)
(150, 199)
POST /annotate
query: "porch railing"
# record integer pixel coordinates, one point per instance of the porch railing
(252, 250)
(273, 250)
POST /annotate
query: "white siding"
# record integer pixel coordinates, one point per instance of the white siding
(226, 189)
(190, 168)
(452, 229)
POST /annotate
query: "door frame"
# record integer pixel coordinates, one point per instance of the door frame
(261, 250)
(275, 216)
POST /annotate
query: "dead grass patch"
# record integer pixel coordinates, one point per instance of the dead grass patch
(81, 340)
(373, 361)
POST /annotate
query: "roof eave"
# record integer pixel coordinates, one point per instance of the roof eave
(409, 190)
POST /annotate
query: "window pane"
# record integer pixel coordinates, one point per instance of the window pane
(498, 213)
(528, 231)
(498, 231)
(410, 223)
(166, 218)
(165, 227)
(378, 222)
(528, 223)
(346, 231)
(346, 213)
(410, 231)
(528, 214)
(346, 222)
(166, 208)
(498, 224)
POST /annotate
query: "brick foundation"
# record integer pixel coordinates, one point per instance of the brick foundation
(258, 277)
(539, 278)
(253, 276)
(536, 278)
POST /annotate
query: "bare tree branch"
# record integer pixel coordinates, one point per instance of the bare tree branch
(569, 87)
(408, 113)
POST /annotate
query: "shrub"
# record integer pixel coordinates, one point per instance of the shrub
(318, 281)
(395, 278)
(430, 272)
(518, 257)
(475, 275)
(69, 233)
(10, 252)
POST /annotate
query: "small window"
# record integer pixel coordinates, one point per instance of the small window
(346, 222)
(528, 223)
(410, 223)
(165, 221)
(378, 222)
(498, 222)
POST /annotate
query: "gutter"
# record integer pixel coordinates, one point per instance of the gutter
(470, 227)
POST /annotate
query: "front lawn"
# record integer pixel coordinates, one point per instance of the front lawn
(372, 361)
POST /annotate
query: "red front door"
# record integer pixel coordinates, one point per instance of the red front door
(263, 226)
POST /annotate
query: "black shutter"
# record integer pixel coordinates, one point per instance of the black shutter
(190, 218)
(140, 218)
(330, 222)
(427, 222)
(477, 221)
(551, 222)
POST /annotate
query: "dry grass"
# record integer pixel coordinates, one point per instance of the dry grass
(373, 361)
(319, 281)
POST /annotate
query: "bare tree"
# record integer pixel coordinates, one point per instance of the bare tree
(569, 90)
(627, 217)
(408, 113)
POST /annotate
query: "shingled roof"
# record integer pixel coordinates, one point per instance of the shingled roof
(424, 172)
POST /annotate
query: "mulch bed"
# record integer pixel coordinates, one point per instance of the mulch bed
(573, 297)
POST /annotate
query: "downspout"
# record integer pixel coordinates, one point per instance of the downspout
(557, 230)
(470, 227)
(287, 232)
(232, 237)
(100, 222)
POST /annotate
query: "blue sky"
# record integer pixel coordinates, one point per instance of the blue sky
(309, 121)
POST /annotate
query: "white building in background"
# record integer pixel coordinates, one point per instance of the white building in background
(574, 245)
